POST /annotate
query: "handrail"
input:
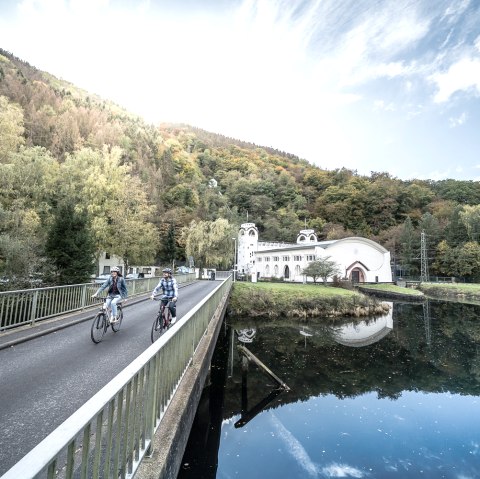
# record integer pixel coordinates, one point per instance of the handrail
(111, 433)
(27, 306)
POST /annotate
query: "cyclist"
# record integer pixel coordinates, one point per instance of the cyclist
(117, 290)
(168, 284)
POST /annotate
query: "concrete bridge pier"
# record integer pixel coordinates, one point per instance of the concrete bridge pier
(171, 438)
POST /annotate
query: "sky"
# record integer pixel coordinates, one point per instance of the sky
(369, 85)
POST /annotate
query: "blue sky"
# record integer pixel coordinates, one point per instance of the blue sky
(370, 85)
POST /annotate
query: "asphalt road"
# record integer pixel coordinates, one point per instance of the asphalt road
(44, 380)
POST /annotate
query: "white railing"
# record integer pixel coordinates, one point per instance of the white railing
(30, 305)
(110, 434)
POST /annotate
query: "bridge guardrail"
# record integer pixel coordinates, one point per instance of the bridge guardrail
(27, 306)
(111, 433)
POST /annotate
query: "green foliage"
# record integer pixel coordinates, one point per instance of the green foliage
(210, 243)
(409, 248)
(322, 267)
(132, 179)
(11, 128)
(70, 246)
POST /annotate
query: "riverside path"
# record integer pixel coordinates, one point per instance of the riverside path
(45, 379)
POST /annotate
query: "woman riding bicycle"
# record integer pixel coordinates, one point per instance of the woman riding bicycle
(168, 284)
(117, 290)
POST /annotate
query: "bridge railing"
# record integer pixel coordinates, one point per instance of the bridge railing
(30, 305)
(111, 433)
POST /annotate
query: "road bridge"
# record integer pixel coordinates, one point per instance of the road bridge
(46, 379)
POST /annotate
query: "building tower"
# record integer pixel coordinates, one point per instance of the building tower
(247, 246)
(307, 236)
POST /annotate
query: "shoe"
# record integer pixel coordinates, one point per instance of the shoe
(113, 319)
(174, 319)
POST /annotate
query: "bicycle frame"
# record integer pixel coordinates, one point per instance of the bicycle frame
(162, 320)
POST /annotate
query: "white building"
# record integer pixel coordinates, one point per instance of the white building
(361, 260)
(106, 261)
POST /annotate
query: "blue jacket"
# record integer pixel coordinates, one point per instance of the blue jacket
(121, 285)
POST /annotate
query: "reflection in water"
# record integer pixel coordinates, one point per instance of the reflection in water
(363, 333)
(403, 402)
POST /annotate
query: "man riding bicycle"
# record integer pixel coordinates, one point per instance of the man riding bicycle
(168, 284)
(117, 290)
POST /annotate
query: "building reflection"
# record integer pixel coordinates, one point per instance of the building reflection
(366, 332)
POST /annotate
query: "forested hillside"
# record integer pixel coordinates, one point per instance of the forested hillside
(80, 175)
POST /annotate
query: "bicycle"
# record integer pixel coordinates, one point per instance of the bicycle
(163, 320)
(101, 322)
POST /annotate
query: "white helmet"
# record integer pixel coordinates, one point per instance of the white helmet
(115, 269)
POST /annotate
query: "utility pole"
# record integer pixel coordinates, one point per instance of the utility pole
(423, 257)
(235, 259)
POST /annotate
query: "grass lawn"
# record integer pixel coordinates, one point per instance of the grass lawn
(469, 290)
(300, 300)
(303, 290)
(392, 288)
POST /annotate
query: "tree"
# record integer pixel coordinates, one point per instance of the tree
(408, 252)
(11, 128)
(470, 217)
(456, 233)
(116, 202)
(467, 261)
(70, 245)
(209, 242)
(322, 268)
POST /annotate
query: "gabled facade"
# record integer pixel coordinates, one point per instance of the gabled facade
(360, 260)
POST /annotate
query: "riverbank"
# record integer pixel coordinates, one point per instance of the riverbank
(452, 291)
(392, 291)
(280, 300)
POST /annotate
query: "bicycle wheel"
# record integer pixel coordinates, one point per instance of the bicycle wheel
(98, 327)
(116, 326)
(157, 326)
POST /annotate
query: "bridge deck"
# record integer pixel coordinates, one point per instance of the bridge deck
(44, 380)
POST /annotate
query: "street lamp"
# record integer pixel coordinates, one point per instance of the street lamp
(235, 259)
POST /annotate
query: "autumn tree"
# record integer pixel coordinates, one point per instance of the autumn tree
(210, 243)
(322, 267)
(11, 128)
(116, 202)
(408, 250)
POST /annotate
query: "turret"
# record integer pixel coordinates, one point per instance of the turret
(307, 236)
(247, 246)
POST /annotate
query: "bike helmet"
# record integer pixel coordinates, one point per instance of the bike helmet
(115, 269)
(167, 270)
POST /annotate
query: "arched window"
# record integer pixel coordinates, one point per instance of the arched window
(275, 270)
(297, 270)
(267, 270)
(301, 238)
(251, 232)
(312, 238)
(286, 272)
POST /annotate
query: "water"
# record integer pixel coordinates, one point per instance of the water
(392, 397)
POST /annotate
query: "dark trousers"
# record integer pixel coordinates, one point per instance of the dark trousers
(172, 306)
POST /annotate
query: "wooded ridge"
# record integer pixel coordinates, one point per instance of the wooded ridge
(72, 162)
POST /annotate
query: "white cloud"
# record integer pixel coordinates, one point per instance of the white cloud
(342, 470)
(458, 121)
(382, 105)
(298, 76)
(464, 75)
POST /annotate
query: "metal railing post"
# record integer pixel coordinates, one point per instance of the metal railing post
(33, 312)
